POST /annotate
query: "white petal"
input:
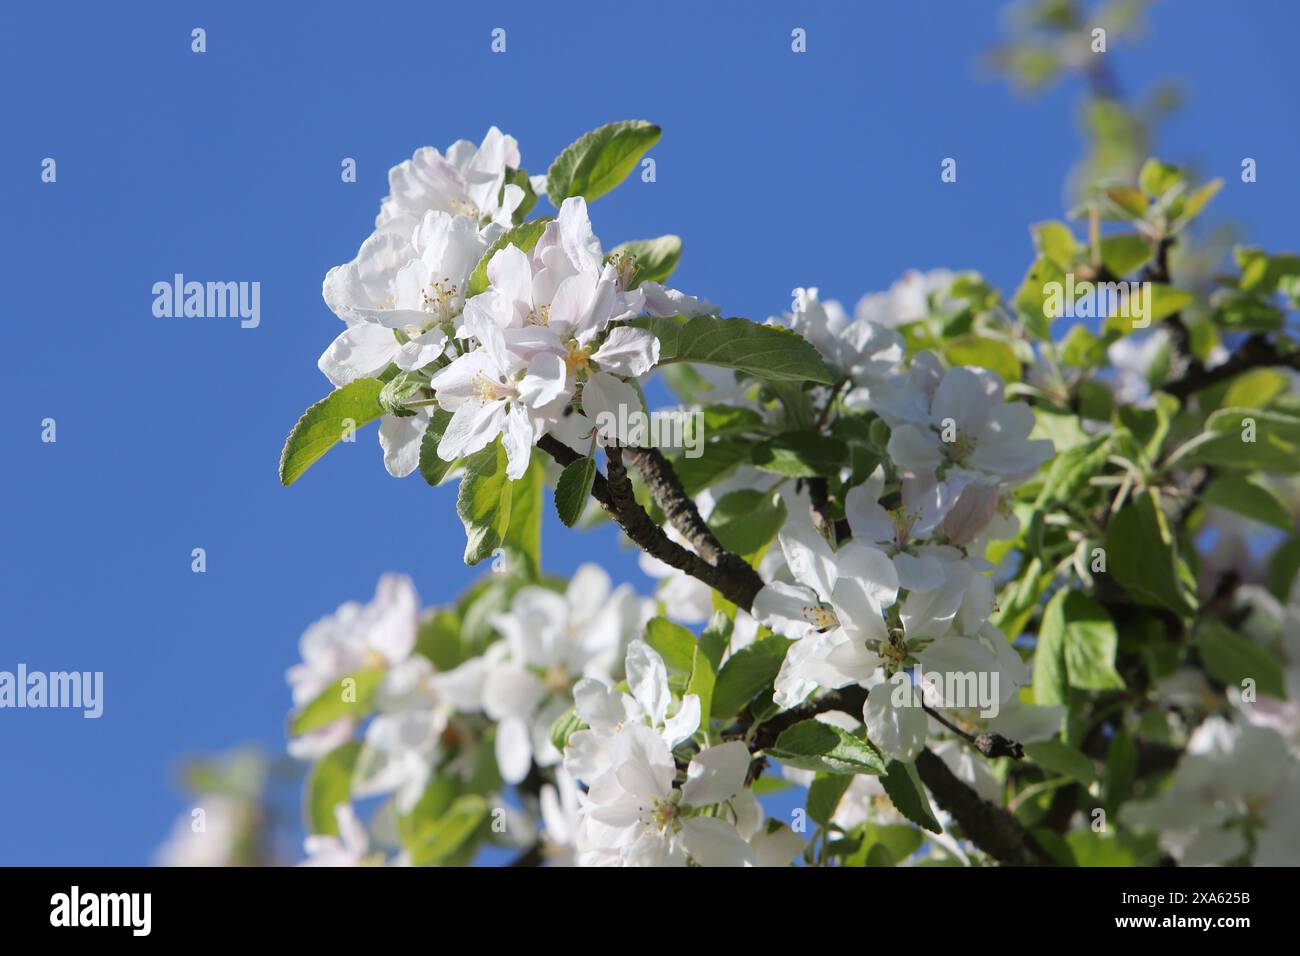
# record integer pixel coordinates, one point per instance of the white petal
(712, 841)
(629, 352)
(716, 774)
(898, 728)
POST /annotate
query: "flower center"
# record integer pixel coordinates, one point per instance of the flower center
(625, 264)
(441, 302)
(577, 357)
(540, 315)
(659, 816)
(486, 390)
(821, 616)
(464, 207)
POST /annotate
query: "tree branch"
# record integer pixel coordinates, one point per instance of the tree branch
(994, 830)
(1255, 352)
(728, 574)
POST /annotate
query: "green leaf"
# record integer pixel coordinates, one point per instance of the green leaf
(1076, 648)
(1142, 559)
(565, 726)
(341, 412)
(520, 178)
(824, 795)
(674, 643)
(1031, 298)
(1125, 253)
(573, 490)
(436, 843)
(1060, 758)
(1197, 201)
(701, 682)
(348, 696)
(432, 468)
(746, 521)
(524, 533)
(1261, 272)
(328, 784)
(653, 259)
(1157, 178)
(717, 459)
(716, 638)
(1255, 388)
(1233, 659)
(1081, 349)
(598, 161)
(524, 236)
(1248, 498)
(1251, 439)
(983, 352)
(1119, 771)
(824, 748)
(764, 351)
(801, 454)
(1283, 567)
(1055, 241)
(1128, 201)
(483, 502)
(747, 672)
(904, 788)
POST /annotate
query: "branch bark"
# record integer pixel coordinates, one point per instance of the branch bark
(721, 570)
(991, 828)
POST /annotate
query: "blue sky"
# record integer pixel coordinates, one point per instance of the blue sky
(777, 170)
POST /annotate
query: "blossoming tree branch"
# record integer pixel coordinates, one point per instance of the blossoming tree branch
(939, 560)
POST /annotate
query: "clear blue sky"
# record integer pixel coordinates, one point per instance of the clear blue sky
(776, 169)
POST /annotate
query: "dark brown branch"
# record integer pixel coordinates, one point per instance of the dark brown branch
(729, 575)
(658, 474)
(990, 745)
(1255, 352)
(991, 828)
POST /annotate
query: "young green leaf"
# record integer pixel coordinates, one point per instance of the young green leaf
(598, 161)
(336, 415)
(348, 696)
(524, 236)
(328, 784)
(573, 490)
(483, 502)
(432, 468)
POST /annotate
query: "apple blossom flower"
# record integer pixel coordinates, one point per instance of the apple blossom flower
(959, 419)
(468, 181)
(834, 609)
(633, 815)
(1235, 790)
(379, 634)
(524, 682)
